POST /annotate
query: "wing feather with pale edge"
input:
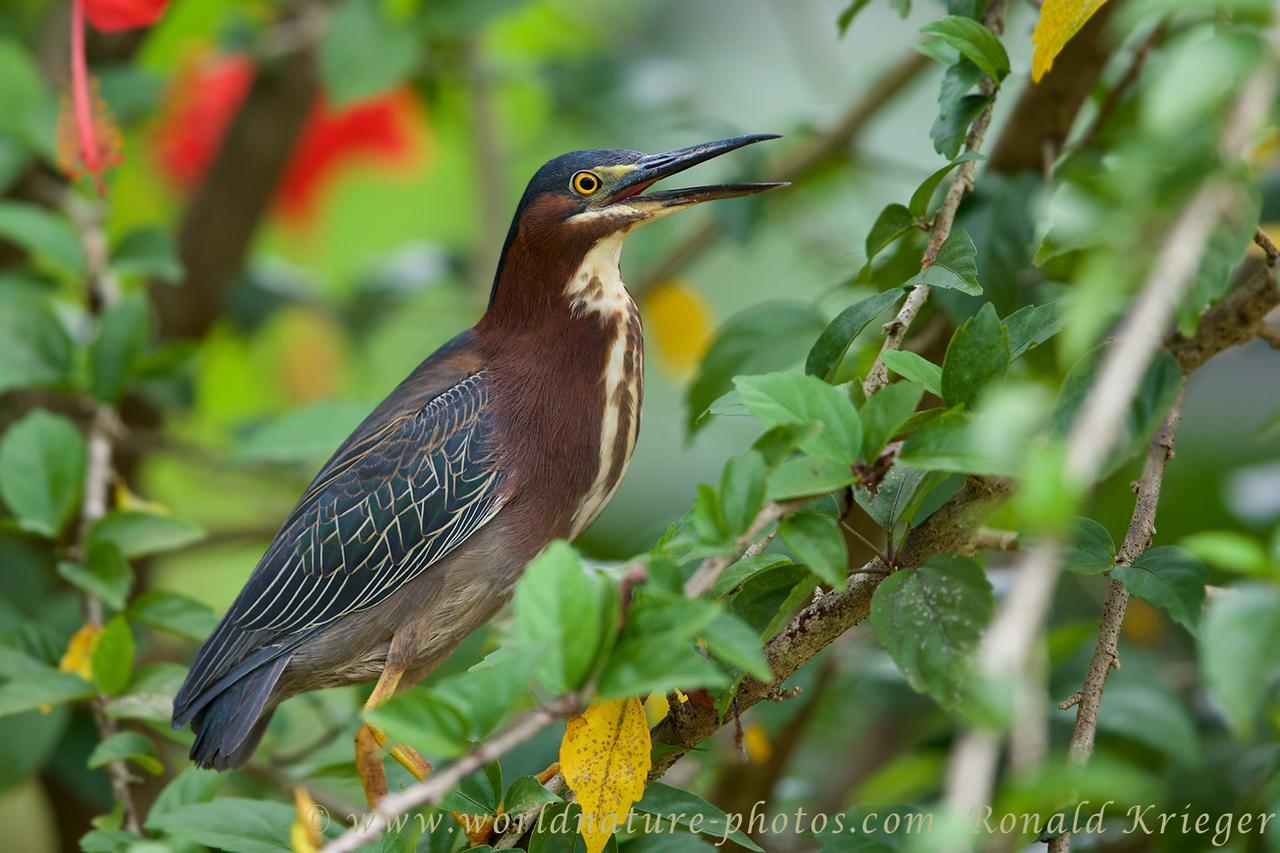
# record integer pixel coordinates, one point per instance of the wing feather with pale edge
(387, 505)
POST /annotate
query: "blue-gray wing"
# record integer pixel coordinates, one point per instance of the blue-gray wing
(398, 496)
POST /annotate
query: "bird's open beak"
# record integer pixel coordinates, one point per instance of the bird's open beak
(655, 167)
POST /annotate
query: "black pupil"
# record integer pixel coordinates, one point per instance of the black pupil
(586, 183)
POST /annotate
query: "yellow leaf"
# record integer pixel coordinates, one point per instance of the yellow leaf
(1059, 21)
(79, 655)
(605, 760)
(755, 740)
(304, 834)
(656, 708)
(680, 324)
(128, 500)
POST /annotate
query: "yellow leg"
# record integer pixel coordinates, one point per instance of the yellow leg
(370, 740)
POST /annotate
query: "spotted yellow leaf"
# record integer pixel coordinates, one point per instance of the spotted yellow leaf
(680, 324)
(1059, 21)
(605, 760)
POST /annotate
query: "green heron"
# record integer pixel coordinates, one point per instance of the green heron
(513, 434)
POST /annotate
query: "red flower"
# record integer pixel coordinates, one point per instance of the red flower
(111, 16)
(206, 96)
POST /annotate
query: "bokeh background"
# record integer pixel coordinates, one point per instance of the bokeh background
(419, 124)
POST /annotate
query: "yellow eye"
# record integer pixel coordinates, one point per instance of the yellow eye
(585, 183)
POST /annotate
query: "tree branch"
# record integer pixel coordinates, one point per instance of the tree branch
(940, 229)
(1011, 638)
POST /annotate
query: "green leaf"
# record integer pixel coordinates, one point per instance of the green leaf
(784, 398)
(884, 414)
(658, 665)
(28, 110)
(175, 613)
(1238, 639)
(974, 42)
(46, 236)
(35, 349)
(829, 349)
(1032, 325)
(770, 336)
(303, 435)
(42, 470)
(945, 444)
(741, 491)
(805, 477)
(106, 575)
(1151, 717)
(121, 342)
(147, 253)
(150, 694)
(1156, 393)
(914, 367)
(893, 497)
(733, 641)
(894, 221)
(978, 356)
(741, 571)
(141, 534)
(768, 598)
(680, 807)
(849, 13)
(525, 793)
(478, 794)
(930, 620)
(489, 690)
(564, 616)
(362, 54)
(1091, 551)
(40, 685)
(818, 544)
(127, 746)
(1230, 551)
(112, 659)
(231, 824)
(955, 267)
(193, 785)
(918, 207)
(952, 126)
(1168, 577)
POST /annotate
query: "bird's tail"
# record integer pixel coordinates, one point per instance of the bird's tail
(229, 726)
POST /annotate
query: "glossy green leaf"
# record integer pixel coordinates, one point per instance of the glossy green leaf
(732, 641)
(231, 824)
(35, 349)
(955, 267)
(1091, 550)
(977, 357)
(175, 613)
(884, 414)
(564, 616)
(1168, 577)
(829, 349)
(425, 719)
(42, 471)
(892, 222)
(767, 600)
(141, 534)
(770, 336)
(116, 351)
(785, 398)
(525, 793)
(917, 368)
(973, 41)
(818, 544)
(680, 807)
(806, 477)
(112, 658)
(742, 486)
(952, 126)
(38, 686)
(1238, 639)
(192, 785)
(106, 574)
(930, 621)
(918, 207)
(127, 746)
(1032, 325)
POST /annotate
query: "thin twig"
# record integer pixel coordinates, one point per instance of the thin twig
(101, 292)
(434, 788)
(1012, 636)
(940, 228)
(1142, 527)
